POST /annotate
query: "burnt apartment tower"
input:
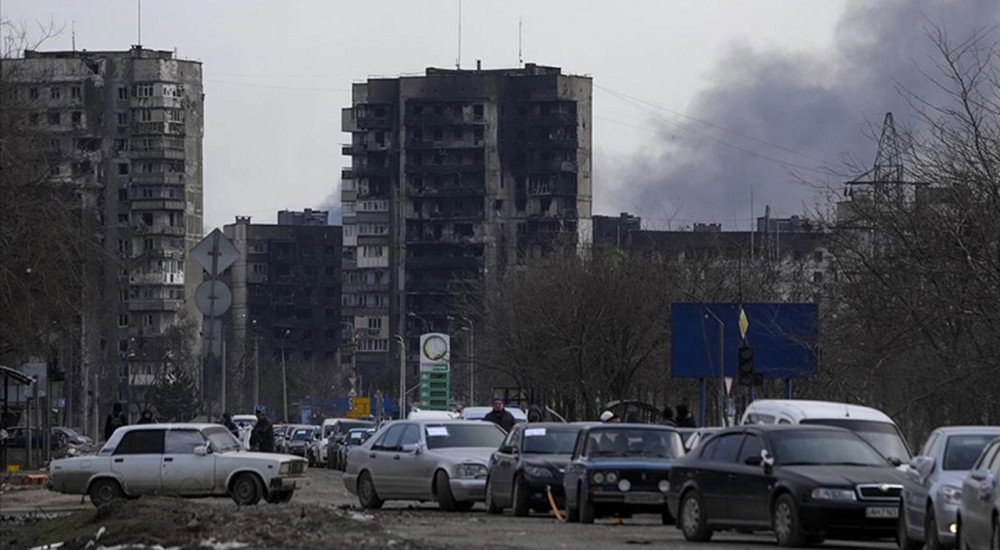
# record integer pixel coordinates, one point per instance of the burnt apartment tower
(455, 175)
(127, 127)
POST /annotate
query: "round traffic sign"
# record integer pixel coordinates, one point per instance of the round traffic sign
(213, 297)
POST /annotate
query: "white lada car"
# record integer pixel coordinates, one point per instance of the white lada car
(190, 460)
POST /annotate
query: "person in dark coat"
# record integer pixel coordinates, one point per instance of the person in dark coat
(668, 417)
(500, 415)
(115, 420)
(147, 417)
(227, 421)
(262, 435)
(684, 418)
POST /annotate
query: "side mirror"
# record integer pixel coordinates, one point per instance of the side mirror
(754, 460)
(202, 450)
(766, 459)
(415, 448)
(978, 475)
(895, 461)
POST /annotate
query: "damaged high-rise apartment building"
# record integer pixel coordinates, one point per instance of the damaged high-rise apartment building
(125, 129)
(455, 175)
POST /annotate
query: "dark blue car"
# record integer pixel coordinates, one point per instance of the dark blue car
(530, 462)
(621, 469)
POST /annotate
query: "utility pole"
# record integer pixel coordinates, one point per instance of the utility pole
(256, 368)
(722, 365)
(284, 378)
(402, 376)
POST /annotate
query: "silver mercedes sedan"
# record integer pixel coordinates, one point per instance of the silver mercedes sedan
(425, 460)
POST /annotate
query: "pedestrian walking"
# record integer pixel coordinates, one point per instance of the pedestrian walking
(500, 415)
(116, 419)
(262, 435)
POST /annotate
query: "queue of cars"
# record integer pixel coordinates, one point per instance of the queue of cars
(805, 471)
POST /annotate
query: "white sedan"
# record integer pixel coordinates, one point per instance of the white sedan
(177, 459)
(425, 460)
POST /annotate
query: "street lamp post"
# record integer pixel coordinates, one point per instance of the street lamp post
(471, 327)
(284, 378)
(722, 367)
(402, 376)
(256, 365)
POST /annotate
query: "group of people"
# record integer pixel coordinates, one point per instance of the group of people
(261, 435)
(682, 420)
(117, 418)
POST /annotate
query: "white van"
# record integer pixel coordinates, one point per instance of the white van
(871, 424)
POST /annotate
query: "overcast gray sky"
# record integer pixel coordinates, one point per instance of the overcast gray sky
(695, 102)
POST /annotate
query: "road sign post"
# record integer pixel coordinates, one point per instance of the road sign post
(213, 297)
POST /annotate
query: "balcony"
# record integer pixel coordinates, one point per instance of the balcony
(155, 304)
(552, 166)
(160, 178)
(418, 239)
(372, 171)
(470, 190)
(445, 168)
(158, 204)
(348, 174)
(174, 230)
(157, 153)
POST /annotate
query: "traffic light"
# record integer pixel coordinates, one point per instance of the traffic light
(745, 362)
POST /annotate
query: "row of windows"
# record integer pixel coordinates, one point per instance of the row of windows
(56, 92)
(364, 300)
(55, 118)
(373, 344)
(367, 277)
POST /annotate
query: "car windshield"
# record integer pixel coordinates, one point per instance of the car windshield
(221, 439)
(302, 435)
(823, 448)
(549, 441)
(961, 451)
(345, 427)
(882, 435)
(634, 442)
(442, 436)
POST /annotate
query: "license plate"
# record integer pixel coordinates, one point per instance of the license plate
(886, 512)
(644, 498)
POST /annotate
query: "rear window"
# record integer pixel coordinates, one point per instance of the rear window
(344, 427)
(442, 436)
(961, 451)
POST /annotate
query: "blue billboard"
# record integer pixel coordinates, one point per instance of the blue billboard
(783, 336)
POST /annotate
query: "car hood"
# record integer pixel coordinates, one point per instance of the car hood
(954, 478)
(458, 455)
(839, 476)
(558, 462)
(243, 455)
(630, 463)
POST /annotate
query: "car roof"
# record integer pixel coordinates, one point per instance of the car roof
(804, 408)
(657, 427)
(529, 425)
(968, 430)
(171, 426)
(435, 421)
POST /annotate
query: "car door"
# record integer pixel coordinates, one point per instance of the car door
(183, 472)
(504, 465)
(137, 460)
(408, 464)
(383, 470)
(917, 482)
(978, 496)
(717, 474)
(750, 484)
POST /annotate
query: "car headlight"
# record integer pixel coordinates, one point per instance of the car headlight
(830, 493)
(611, 477)
(598, 477)
(470, 471)
(663, 486)
(284, 469)
(535, 471)
(624, 485)
(951, 494)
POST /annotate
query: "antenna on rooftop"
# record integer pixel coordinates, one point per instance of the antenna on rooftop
(520, 58)
(138, 21)
(458, 60)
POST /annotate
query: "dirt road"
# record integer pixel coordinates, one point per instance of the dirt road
(324, 515)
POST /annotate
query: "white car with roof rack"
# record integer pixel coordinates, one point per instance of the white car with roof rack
(188, 460)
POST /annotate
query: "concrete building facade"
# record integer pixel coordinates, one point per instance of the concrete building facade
(455, 175)
(127, 128)
(286, 303)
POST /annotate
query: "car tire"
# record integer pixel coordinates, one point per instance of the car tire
(903, 538)
(585, 508)
(246, 490)
(103, 491)
(367, 496)
(995, 539)
(442, 490)
(666, 518)
(464, 505)
(692, 520)
(787, 525)
(572, 514)
(519, 497)
(931, 539)
(491, 503)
